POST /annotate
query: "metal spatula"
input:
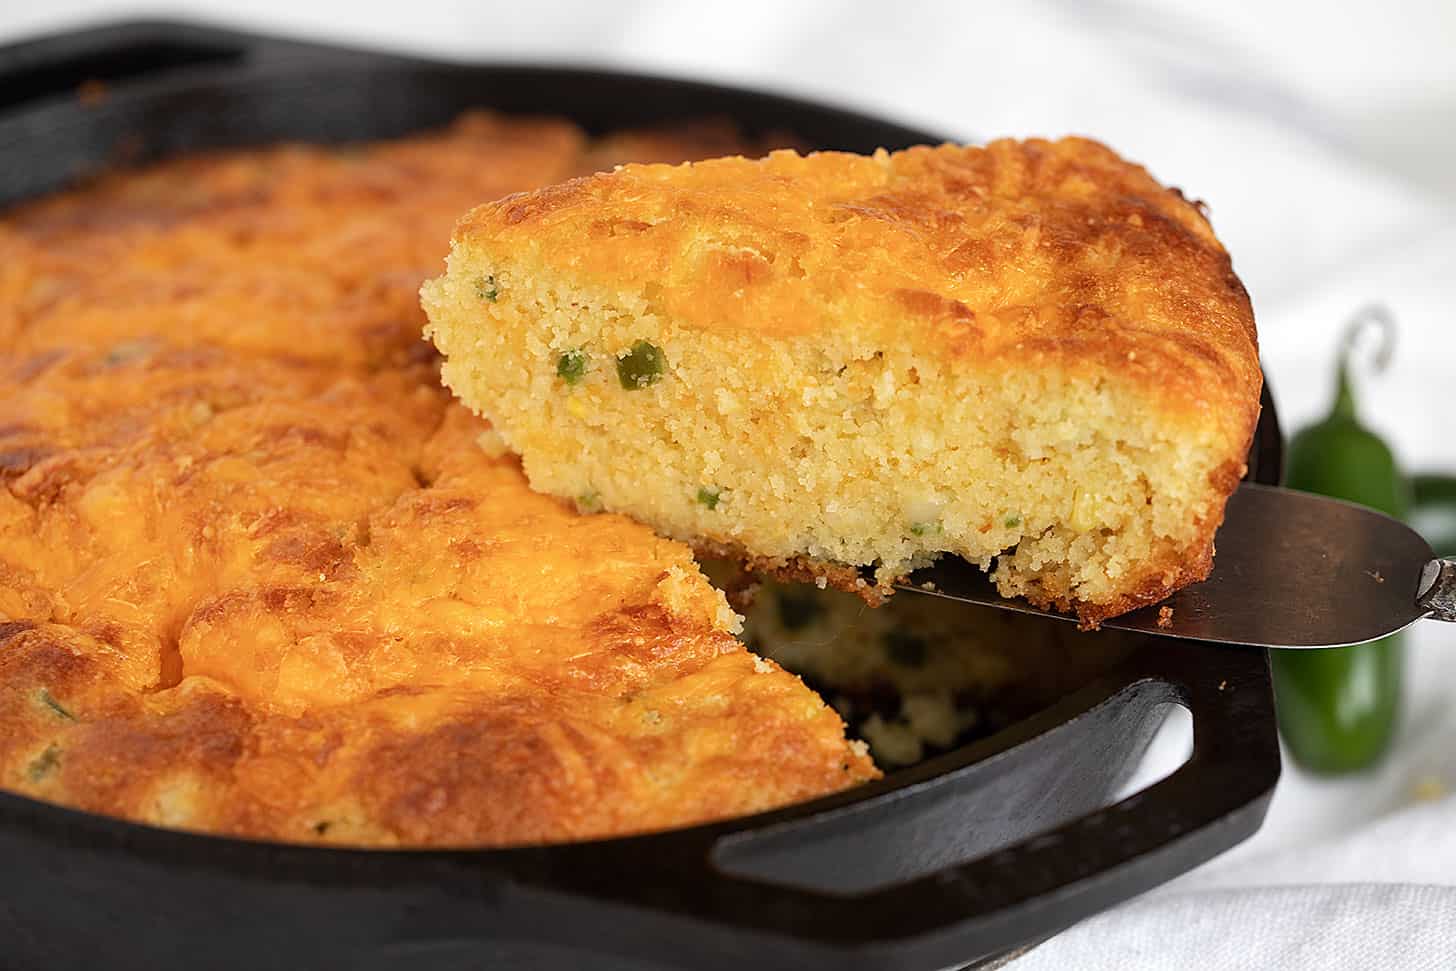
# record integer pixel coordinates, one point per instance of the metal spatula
(1291, 570)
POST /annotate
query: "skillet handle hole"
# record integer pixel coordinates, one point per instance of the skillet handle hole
(1025, 794)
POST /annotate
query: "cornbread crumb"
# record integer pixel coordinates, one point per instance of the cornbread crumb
(727, 619)
(1165, 617)
(1429, 788)
(932, 717)
(895, 742)
(874, 361)
(492, 444)
(680, 591)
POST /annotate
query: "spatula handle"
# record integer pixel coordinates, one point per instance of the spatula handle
(1437, 592)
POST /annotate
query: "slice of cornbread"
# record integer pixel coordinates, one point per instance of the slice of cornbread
(1029, 354)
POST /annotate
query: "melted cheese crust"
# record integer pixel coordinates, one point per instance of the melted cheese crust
(259, 576)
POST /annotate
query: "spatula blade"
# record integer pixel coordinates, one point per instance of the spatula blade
(1292, 570)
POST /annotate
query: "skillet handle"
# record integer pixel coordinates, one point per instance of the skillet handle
(824, 886)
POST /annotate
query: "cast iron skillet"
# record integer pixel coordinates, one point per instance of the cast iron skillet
(996, 844)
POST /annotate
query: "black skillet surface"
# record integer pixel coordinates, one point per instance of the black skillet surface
(996, 844)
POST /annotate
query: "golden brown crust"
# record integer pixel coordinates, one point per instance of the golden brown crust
(257, 577)
(1035, 251)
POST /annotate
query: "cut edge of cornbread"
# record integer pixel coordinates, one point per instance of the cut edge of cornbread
(816, 454)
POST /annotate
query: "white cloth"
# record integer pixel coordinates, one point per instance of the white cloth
(1323, 136)
(1330, 926)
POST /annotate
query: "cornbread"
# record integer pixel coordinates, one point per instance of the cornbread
(1030, 355)
(260, 576)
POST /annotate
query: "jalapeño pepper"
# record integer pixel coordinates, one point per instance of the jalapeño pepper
(1338, 707)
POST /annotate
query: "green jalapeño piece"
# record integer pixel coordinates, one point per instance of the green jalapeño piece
(571, 365)
(641, 366)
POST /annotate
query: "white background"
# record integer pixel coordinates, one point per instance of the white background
(1323, 136)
